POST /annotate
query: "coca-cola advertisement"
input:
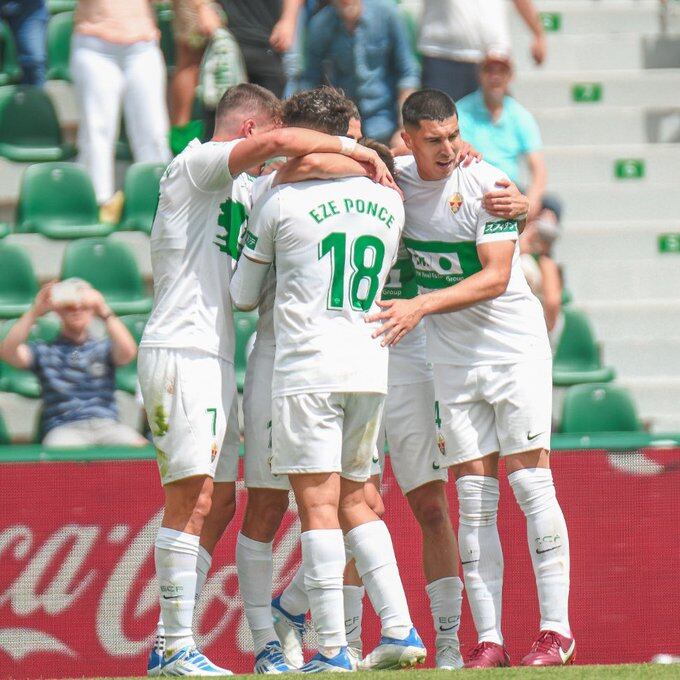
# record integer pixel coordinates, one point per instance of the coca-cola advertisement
(78, 596)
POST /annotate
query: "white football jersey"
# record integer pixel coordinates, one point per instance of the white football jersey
(408, 363)
(445, 222)
(333, 244)
(200, 210)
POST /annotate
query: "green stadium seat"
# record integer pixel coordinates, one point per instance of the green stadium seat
(57, 6)
(141, 196)
(412, 30)
(598, 407)
(18, 283)
(577, 359)
(10, 71)
(4, 433)
(111, 268)
(4, 229)
(29, 127)
(126, 376)
(24, 382)
(59, 32)
(244, 323)
(57, 200)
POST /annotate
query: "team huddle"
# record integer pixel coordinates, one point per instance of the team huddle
(387, 314)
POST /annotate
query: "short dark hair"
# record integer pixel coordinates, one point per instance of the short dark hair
(325, 109)
(354, 109)
(383, 151)
(254, 98)
(427, 105)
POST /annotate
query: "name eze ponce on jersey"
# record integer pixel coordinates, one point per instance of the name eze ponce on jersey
(352, 205)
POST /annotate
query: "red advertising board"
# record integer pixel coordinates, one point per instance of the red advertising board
(77, 594)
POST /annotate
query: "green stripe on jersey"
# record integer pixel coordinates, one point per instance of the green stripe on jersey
(500, 227)
(457, 260)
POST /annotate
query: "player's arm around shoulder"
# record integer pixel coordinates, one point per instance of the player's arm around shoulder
(258, 252)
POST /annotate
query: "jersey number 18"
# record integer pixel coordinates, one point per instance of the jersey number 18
(366, 259)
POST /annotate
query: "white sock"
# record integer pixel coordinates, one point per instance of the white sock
(446, 600)
(203, 563)
(176, 556)
(294, 598)
(323, 560)
(255, 567)
(548, 544)
(371, 546)
(481, 554)
(353, 599)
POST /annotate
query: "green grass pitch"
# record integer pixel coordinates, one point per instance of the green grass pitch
(630, 671)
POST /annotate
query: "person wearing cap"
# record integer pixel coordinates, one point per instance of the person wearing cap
(504, 132)
(76, 371)
(456, 34)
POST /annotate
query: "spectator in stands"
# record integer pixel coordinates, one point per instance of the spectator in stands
(362, 47)
(27, 20)
(264, 30)
(115, 59)
(542, 272)
(456, 34)
(194, 23)
(503, 131)
(76, 372)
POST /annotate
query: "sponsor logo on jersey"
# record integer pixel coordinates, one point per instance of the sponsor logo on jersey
(441, 443)
(455, 201)
(251, 239)
(213, 452)
(500, 227)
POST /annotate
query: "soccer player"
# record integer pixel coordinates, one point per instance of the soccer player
(186, 355)
(492, 369)
(333, 243)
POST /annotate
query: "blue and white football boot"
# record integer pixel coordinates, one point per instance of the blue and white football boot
(270, 660)
(153, 665)
(340, 663)
(392, 653)
(189, 661)
(290, 628)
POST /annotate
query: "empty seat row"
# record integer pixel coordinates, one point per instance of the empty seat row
(58, 201)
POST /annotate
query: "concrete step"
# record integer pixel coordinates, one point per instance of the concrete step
(596, 16)
(653, 87)
(64, 98)
(644, 201)
(632, 319)
(635, 280)
(657, 400)
(46, 254)
(652, 357)
(603, 125)
(600, 163)
(590, 51)
(593, 241)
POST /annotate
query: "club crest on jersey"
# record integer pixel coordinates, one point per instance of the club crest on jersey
(455, 201)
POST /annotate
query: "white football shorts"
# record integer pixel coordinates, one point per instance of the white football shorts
(484, 409)
(326, 432)
(190, 401)
(408, 427)
(257, 420)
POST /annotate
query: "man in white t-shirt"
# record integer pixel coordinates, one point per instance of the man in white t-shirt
(334, 242)
(456, 34)
(488, 343)
(186, 354)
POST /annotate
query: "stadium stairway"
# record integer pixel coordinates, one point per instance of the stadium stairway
(608, 101)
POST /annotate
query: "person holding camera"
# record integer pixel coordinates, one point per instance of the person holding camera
(76, 371)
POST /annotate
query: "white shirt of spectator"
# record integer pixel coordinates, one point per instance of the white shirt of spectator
(445, 222)
(464, 30)
(323, 343)
(190, 263)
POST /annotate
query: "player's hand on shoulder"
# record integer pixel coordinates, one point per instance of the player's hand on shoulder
(506, 201)
(398, 317)
(467, 154)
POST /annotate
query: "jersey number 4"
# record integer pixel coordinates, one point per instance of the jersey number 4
(366, 260)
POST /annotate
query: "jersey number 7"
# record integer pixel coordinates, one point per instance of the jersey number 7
(366, 260)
